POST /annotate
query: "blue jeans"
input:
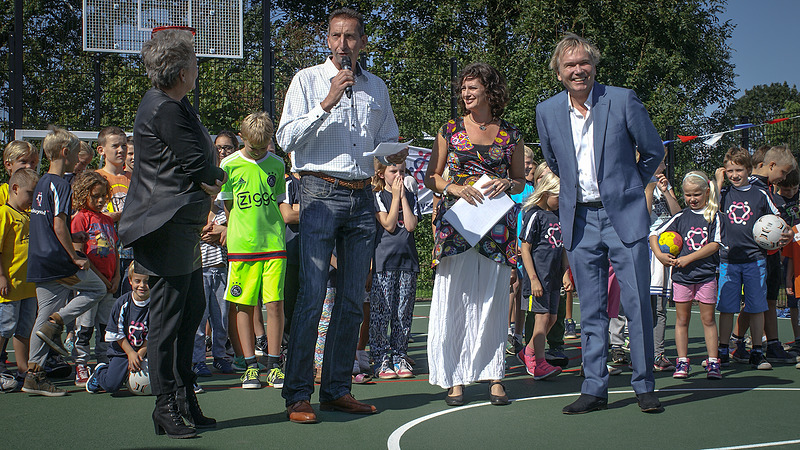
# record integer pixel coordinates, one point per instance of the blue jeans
(330, 215)
(214, 280)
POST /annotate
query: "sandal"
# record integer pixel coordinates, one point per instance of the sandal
(498, 400)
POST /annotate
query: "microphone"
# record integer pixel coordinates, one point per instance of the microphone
(346, 65)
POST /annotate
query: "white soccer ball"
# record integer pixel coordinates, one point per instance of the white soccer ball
(767, 231)
(139, 382)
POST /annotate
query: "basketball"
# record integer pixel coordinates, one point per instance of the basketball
(670, 242)
(139, 382)
(767, 231)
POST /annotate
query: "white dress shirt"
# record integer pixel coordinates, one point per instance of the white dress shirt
(334, 142)
(583, 140)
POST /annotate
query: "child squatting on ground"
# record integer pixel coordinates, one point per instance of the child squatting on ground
(128, 323)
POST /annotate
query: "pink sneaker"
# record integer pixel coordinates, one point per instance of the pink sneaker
(81, 375)
(528, 361)
(544, 370)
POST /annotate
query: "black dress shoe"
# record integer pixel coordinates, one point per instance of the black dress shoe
(454, 400)
(586, 403)
(649, 403)
(498, 400)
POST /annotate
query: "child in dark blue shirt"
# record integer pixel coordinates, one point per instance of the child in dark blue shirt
(770, 166)
(545, 263)
(694, 269)
(127, 329)
(53, 263)
(742, 261)
(396, 264)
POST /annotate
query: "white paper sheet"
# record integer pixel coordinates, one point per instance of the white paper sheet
(473, 222)
(388, 148)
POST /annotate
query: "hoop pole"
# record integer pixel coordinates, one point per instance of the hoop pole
(267, 74)
(17, 67)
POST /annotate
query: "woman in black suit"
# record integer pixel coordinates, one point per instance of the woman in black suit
(168, 201)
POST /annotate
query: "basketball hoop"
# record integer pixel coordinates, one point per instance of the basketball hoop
(122, 27)
(175, 27)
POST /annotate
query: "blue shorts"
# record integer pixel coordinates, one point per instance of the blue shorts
(16, 318)
(751, 275)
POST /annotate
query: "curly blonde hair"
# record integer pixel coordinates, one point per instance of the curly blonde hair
(82, 187)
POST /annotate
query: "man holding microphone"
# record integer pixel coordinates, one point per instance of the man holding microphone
(333, 113)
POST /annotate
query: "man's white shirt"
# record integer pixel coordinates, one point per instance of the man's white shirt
(583, 140)
(334, 142)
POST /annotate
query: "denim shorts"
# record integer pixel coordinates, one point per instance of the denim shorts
(751, 275)
(16, 318)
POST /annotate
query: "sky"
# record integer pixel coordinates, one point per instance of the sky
(765, 42)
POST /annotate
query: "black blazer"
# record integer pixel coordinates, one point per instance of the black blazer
(173, 154)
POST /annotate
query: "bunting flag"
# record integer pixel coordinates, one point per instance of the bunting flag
(712, 138)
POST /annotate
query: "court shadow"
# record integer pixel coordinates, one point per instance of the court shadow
(251, 421)
(703, 389)
(409, 401)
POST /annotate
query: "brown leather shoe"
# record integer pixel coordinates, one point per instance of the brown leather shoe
(301, 412)
(348, 404)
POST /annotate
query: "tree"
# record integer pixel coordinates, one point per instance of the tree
(759, 104)
(674, 54)
(763, 102)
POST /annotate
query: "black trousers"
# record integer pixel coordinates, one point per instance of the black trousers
(176, 309)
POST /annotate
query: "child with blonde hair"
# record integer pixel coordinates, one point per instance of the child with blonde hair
(53, 264)
(17, 155)
(253, 196)
(694, 268)
(545, 263)
(17, 296)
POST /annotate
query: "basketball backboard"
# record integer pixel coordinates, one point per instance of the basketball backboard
(122, 26)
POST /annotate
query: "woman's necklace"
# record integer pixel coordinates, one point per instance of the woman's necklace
(481, 126)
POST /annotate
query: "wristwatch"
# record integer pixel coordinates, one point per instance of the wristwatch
(444, 191)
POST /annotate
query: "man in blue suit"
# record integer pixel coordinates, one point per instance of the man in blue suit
(590, 136)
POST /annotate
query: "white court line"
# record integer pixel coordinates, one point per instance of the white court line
(761, 445)
(393, 442)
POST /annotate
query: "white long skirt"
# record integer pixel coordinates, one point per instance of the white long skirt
(468, 321)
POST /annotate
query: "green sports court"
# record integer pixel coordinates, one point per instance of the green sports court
(746, 409)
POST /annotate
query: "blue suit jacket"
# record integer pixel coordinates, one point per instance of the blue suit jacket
(621, 127)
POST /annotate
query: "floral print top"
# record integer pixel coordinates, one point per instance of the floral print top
(466, 163)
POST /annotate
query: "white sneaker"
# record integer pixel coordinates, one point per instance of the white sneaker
(7, 382)
(403, 369)
(386, 371)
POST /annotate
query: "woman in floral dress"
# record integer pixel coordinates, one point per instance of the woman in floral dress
(467, 326)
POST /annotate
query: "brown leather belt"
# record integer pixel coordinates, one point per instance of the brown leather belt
(349, 184)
